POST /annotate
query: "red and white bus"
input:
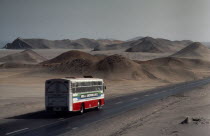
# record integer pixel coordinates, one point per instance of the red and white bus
(74, 94)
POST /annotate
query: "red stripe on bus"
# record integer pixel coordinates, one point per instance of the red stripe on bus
(87, 104)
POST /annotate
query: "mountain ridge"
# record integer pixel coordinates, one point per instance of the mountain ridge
(82, 43)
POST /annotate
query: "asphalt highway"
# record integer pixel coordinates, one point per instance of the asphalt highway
(42, 123)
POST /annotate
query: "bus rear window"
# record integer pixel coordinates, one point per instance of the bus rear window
(57, 87)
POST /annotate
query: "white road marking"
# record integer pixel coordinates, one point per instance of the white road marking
(135, 98)
(16, 131)
(146, 95)
(118, 102)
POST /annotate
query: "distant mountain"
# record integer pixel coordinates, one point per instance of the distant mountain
(158, 45)
(82, 43)
(146, 44)
(135, 39)
(3, 43)
(109, 41)
(116, 46)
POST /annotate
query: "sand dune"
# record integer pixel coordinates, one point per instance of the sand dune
(25, 57)
(180, 66)
(71, 55)
(111, 67)
(195, 50)
(177, 62)
(172, 69)
(118, 67)
(81, 63)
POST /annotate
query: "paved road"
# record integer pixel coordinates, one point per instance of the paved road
(44, 124)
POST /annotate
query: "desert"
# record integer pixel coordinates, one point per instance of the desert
(126, 70)
(104, 67)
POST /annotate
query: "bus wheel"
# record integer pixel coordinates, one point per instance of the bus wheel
(99, 106)
(82, 109)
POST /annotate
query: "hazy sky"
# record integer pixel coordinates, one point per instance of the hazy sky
(119, 19)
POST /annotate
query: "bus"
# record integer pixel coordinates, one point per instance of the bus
(74, 94)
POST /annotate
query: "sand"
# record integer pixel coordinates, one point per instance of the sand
(22, 89)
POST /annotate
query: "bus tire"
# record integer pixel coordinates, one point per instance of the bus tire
(82, 109)
(99, 106)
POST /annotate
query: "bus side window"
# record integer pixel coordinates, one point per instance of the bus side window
(79, 89)
(73, 90)
(86, 89)
(97, 88)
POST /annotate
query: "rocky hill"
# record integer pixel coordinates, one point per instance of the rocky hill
(82, 43)
(117, 46)
(152, 45)
(119, 67)
(71, 55)
(146, 44)
(135, 38)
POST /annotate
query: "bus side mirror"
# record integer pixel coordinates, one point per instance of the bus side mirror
(104, 87)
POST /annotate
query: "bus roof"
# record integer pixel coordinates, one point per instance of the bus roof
(83, 79)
